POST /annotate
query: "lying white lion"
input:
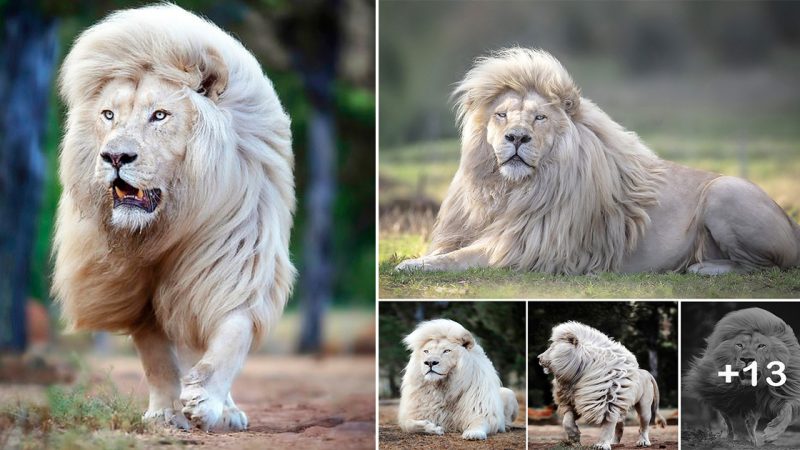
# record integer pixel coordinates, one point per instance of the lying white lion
(548, 182)
(599, 380)
(451, 386)
(174, 221)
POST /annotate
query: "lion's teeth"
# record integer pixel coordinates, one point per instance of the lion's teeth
(120, 194)
(139, 194)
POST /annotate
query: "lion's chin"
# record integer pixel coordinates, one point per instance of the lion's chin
(131, 218)
(516, 171)
(432, 376)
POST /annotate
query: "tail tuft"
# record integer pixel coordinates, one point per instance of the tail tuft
(660, 421)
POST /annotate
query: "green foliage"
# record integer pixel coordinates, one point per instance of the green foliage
(498, 326)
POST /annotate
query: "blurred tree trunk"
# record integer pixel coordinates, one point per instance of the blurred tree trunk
(314, 37)
(27, 59)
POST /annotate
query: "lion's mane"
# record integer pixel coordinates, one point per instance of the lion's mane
(730, 398)
(581, 211)
(224, 244)
(471, 390)
(597, 377)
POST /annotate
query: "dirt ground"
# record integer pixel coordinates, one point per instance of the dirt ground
(549, 436)
(291, 402)
(697, 439)
(390, 437)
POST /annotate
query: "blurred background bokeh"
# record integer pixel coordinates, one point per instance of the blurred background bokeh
(320, 55)
(708, 84)
(648, 329)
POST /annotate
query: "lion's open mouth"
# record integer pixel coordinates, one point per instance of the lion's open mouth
(126, 195)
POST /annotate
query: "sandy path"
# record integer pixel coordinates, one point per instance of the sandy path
(548, 436)
(292, 402)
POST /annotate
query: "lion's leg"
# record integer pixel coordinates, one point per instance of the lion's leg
(730, 432)
(573, 433)
(606, 435)
(748, 227)
(751, 423)
(472, 256)
(476, 430)
(163, 377)
(618, 432)
(421, 426)
(778, 425)
(645, 413)
(206, 388)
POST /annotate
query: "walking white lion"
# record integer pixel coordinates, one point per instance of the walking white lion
(599, 380)
(450, 385)
(174, 221)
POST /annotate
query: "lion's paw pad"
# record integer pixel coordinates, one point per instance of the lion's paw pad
(474, 435)
(203, 410)
(167, 418)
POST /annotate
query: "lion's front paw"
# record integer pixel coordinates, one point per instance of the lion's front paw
(233, 419)
(474, 435)
(411, 264)
(602, 446)
(432, 428)
(642, 442)
(201, 408)
(167, 418)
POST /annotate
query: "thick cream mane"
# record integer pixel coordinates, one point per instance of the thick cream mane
(222, 244)
(597, 378)
(584, 207)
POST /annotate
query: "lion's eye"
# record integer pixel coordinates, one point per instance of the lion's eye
(500, 115)
(739, 346)
(762, 345)
(540, 117)
(107, 114)
(159, 116)
(424, 351)
(447, 350)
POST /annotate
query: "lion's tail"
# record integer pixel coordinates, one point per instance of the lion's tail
(655, 417)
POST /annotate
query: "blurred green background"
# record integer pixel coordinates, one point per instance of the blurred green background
(712, 85)
(278, 33)
(648, 329)
(499, 327)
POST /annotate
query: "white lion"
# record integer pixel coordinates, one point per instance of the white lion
(174, 221)
(599, 380)
(548, 182)
(450, 385)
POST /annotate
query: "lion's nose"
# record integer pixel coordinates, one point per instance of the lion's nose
(746, 361)
(518, 138)
(118, 160)
(431, 362)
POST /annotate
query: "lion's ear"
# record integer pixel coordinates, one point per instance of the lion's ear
(571, 338)
(213, 75)
(467, 341)
(571, 101)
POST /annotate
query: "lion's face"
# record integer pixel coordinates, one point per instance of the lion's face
(437, 358)
(142, 130)
(743, 349)
(561, 349)
(520, 129)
